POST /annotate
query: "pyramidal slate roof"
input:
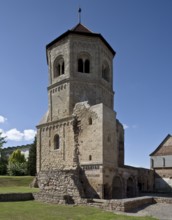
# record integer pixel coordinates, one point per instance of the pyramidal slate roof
(80, 29)
(165, 148)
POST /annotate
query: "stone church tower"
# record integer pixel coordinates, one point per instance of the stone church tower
(80, 143)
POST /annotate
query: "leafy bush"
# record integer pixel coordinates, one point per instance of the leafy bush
(17, 169)
(3, 168)
(3, 165)
(17, 165)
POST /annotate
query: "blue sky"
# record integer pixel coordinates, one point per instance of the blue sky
(140, 31)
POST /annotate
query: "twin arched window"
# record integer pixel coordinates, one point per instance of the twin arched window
(84, 64)
(59, 66)
(106, 72)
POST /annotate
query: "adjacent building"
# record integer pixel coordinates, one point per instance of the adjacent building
(161, 163)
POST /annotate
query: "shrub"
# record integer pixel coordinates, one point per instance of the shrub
(17, 165)
(3, 168)
(17, 169)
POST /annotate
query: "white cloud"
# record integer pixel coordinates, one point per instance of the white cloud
(15, 135)
(2, 119)
(125, 126)
(131, 127)
(29, 134)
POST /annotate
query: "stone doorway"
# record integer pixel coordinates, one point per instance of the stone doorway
(130, 188)
(117, 186)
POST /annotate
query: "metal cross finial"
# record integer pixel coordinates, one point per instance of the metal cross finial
(79, 13)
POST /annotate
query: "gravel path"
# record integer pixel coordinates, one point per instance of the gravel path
(160, 211)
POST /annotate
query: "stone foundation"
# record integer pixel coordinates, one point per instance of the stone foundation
(60, 186)
(123, 205)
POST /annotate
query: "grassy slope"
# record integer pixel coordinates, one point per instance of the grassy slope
(32, 210)
(16, 184)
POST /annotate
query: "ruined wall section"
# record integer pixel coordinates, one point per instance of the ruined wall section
(90, 135)
(60, 186)
(90, 147)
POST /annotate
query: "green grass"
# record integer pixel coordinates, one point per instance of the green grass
(32, 210)
(9, 184)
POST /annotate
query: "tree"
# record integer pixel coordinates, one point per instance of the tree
(32, 159)
(17, 165)
(2, 140)
(3, 159)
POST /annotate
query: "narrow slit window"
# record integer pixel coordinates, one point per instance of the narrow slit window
(90, 121)
(56, 142)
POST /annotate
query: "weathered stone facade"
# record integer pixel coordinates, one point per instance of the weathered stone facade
(80, 143)
(161, 163)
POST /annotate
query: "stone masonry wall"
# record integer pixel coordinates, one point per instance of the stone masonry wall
(90, 134)
(60, 186)
(48, 157)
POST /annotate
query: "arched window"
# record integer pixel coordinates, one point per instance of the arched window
(87, 66)
(163, 160)
(59, 67)
(105, 72)
(63, 68)
(56, 142)
(84, 63)
(90, 157)
(80, 65)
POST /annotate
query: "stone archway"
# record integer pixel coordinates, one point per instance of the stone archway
(117, 188)
(141, 184)
(130, 188)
